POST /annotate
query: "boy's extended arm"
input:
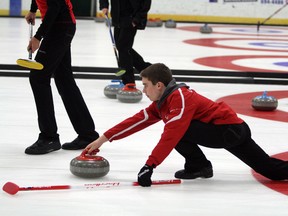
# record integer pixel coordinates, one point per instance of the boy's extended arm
(96, 144)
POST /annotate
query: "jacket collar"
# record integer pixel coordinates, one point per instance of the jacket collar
(171, 87)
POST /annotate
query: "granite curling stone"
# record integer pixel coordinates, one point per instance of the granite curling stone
(129, 94)
(111, 90)
(170, 24)
(206, 29)
(89, 166)
(154, 22)
(264, 102)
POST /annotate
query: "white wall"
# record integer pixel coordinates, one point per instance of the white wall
(222, 11)
(204, 10)
(204, 7)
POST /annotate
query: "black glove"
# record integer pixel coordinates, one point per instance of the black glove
(144, 176)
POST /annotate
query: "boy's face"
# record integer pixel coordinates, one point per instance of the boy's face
(153, 92)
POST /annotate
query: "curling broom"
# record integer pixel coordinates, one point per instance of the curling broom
(12, 188)
(29, 63)
(121, 71)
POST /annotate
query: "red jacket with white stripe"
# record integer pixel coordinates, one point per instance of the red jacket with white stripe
(178, 106)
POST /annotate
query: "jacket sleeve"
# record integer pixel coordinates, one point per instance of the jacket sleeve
(179, 118)
(53, 9)
(103, 4)
(33, 7)
(131, 125)
(140, 12)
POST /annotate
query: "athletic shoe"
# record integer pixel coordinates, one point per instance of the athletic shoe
(77, 144)
(42, 146)
(206, 172)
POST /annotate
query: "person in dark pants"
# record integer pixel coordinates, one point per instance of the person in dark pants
(190, 120)
(128, 16)
(53, 38)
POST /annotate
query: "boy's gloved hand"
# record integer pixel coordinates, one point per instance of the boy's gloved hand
(144, 176)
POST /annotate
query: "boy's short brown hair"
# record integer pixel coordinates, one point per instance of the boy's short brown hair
(157, 73)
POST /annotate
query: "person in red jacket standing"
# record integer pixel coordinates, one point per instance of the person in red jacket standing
(53, 42)
(190, 120)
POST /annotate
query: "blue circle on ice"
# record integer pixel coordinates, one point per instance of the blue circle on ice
(270, 44)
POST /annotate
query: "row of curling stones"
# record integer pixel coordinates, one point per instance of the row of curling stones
(264, 102)
(126, 94)
(159, 23)
(89, 165)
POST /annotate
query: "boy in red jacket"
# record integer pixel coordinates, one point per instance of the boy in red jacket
(190, 120)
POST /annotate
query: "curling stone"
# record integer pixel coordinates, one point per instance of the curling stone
(264, 102)
(154, 22)
(111, 90)
(99, 19)
(89, 166)
(206, 29)
(170, 24)
(129, 94)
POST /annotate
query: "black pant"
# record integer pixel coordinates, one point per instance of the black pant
(128, 57)
(234, 138)
(55, 54)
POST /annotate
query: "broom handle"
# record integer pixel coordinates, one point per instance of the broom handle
(12, 188)
(30, 36)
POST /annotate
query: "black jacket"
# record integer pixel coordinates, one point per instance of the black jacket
(124, 12)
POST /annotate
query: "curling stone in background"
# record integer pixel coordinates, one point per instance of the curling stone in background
(170, 24)
(111, 90)
(206, 29)
(154, 22)
(89, 166)
(129, 94)
(264, 102)
(99, 19)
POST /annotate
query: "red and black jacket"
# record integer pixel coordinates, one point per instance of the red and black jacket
(52, 11)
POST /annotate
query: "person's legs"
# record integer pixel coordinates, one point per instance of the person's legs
(75, 105)
(196, 164)
(209, 135)
(254, 156)
(48, 139)
(138, 61)
(72, 98)
(124, 39)
(54, 54)
(214, 136)
(40, 83)
(237, 140)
